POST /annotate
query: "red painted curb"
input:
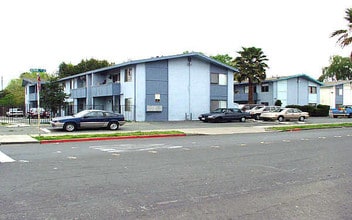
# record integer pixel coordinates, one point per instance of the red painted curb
(296, 129)
(110, 138)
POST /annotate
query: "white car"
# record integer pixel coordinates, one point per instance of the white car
(285, 114)
(258, 110)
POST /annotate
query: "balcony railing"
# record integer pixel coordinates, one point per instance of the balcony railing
(243, 97)
(79, 93)
(108, 89)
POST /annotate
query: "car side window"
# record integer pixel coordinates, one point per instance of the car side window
(94, 114)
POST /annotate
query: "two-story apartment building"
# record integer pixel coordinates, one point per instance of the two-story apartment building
(166, 88)
(290, 90)
(336, 93)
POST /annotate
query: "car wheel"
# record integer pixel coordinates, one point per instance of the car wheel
(301, 118)
(218, 119)
(280, 118)
(242, 119)
(70, 127)
(257, 117)
(113, 126)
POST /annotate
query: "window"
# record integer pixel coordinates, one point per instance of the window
(246, 89)
(214, 78)
(128, 75)
(312, 89)
(71, 84)
(214, 104)
(116, 78)
(128, 105)
(220, 79)
(265, 88)
(339, 91)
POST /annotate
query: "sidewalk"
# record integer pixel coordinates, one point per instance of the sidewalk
(21, 134)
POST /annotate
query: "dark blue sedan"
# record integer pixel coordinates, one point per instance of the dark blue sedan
(225, 115)
(89, 119)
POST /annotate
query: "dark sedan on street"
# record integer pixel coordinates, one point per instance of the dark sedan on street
(225, 115)
(89, 119)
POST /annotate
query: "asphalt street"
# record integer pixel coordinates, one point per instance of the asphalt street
(281, 175)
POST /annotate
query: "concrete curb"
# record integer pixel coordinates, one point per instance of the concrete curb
(110, 138)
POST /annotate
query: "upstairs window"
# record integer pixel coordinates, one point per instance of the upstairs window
(265, 88)
(312, 89)
(116, 78)
(219, 79)
(128, 75)
(214, 78)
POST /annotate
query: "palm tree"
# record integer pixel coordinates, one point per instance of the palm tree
(251, 65)
(345, 36)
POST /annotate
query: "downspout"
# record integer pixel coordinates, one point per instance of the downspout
(189, 88)
(134, 93)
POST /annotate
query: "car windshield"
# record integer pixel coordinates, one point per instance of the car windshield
(81, 114)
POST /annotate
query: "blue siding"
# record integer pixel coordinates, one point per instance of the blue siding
(338, 98)
(216, 69)
(157, 83)
(266, 97)
(218, 92)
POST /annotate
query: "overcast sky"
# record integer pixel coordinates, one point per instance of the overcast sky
(294, 34)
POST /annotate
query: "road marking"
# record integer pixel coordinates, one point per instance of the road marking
(5, 159)
(166, 202)
(45, 130)
(151, 148)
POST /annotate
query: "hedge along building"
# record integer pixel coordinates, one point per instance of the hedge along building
(166, 88)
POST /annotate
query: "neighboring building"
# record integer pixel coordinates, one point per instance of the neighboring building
(31, 94)
(291, 90)
(166, 88)
(336, 93)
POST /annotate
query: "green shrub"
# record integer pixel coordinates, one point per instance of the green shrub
(317, 111)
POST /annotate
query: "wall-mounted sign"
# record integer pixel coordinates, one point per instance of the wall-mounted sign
(154, 108)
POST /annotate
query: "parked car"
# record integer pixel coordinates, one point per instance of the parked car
(256, 111)
(33, 113)
(14, 112)
(248, 107)
(285, 114)
(89, 119)
(225, 115)
(342, 111)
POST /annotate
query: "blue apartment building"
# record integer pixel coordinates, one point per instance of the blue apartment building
(290, 90)
(166, 88)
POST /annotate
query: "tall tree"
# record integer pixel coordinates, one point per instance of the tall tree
(84, 66)
(52, 95)
(252, 67)
(340, 68)
(345, 35)
(14, 94)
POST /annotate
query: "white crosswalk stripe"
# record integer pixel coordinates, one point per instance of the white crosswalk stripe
(5, 159)
(134, 148)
